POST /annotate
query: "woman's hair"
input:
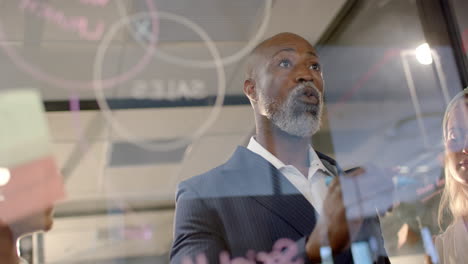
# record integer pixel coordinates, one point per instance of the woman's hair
(454, 199)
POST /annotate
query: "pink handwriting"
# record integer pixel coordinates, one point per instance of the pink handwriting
(284, 252)
(77, 24)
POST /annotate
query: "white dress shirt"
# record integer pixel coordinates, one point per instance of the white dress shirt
(313, 186)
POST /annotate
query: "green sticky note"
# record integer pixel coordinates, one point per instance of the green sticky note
(24, 133)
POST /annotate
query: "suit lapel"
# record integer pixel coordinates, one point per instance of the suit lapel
(272, 190)
(295, 210)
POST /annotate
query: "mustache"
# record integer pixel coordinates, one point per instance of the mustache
(307, 88)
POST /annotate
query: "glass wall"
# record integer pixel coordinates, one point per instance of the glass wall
(387, 90)
(112, 109)
(460, 29)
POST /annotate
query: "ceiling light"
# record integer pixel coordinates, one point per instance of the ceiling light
(4, 176)
(423, 54)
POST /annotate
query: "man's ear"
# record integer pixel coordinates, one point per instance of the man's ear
(250, 90)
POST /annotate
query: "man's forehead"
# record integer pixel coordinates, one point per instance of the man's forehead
(308, 51)
(296, 47)
(285, 42)
(276, 44)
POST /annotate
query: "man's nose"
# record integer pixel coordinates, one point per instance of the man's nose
(304, 76)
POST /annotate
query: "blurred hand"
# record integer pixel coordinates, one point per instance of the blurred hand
(7, 245)
(427, 259)
(333, 229)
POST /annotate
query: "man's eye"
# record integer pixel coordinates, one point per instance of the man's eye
(285, 63)
(315, 67)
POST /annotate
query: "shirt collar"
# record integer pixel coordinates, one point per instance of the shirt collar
(255, 147)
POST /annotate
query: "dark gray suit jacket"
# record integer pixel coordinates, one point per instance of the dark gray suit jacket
(243, 205)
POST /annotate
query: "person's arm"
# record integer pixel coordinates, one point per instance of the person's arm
(336, 231)
(332, 227)
(197, 229)
(8, 253)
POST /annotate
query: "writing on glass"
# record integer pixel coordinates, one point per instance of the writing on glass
(76, 24)
(157, 89)
(284, 251)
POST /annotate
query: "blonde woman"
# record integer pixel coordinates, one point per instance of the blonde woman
(452, 244)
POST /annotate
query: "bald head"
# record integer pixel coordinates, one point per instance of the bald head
(262, 51)
(284, 84)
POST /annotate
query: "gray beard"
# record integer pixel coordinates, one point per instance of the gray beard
(293, 116)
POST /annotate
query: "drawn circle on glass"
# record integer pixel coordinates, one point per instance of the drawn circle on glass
(119, 128)
(49, 78)
(225, 61)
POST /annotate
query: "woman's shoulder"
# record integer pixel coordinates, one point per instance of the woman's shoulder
(449, 232)
(450, 242)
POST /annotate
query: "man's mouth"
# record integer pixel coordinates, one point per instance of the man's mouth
(310, 96)
(309, 99)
